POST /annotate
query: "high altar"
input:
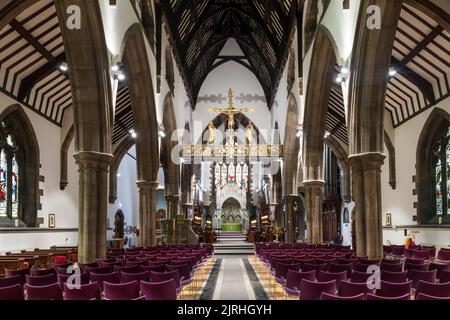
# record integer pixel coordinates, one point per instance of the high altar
(231, 181)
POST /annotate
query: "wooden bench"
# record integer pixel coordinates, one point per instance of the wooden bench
(12, 262)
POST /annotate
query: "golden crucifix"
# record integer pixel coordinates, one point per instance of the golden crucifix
(230, 110)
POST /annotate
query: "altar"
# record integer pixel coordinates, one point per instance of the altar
(231, 227)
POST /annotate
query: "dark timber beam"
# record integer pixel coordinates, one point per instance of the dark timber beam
(17, 26)
(423, 44)
(158, 22)
(410, 75)
(27, 83)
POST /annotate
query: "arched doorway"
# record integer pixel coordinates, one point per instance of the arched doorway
(231, 217)
(119, 225)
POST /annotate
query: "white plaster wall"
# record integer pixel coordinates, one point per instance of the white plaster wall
(243, 82)
(127, 195)
(399, 202)
(30, 240)
(346, 228)
(64, 204)
(341, 24)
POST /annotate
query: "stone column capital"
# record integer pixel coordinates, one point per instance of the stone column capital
(93, 160)
(172, 197)
(290, 197)
(368, 160)
(313, 183)
(152, 185)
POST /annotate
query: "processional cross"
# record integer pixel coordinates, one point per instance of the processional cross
(230, 111)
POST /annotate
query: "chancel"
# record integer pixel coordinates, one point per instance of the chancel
(224, 150)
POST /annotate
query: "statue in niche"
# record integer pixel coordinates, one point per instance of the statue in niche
(212, 132)
(249, 132)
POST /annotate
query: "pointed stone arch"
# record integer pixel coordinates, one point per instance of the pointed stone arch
(120, 151)
(371, 59)
(170, 167)
(140, 84)
(437, 119)
(291, 71)
(87, 58)
(63, 158)
(21, 128)
(316, 105)
(170, 73)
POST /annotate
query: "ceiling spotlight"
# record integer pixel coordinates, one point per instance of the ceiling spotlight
(133, 133)
(327, 134)
(115, 68)
(121, 76)
(392, 72)
(299, 134)
(118, 174)
(63, 67)
(344, 70)
(161, 131)
(339, 79)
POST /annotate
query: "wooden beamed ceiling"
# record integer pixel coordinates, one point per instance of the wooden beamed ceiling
(31, 52)
(199, 30)
(421, 57)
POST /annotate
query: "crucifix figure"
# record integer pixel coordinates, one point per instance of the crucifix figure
(230, 111)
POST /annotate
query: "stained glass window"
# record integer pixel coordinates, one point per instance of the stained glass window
(3, 183)
(442, 173)
(15, 187)
(9, 174)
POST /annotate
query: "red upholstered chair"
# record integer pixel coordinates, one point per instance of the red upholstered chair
(49, 292)
(100, 278)
(60, 259)
(444, 255)
(42, 272)
(164, 290)
(350, 289)
(310, 290)
(126, 277)
(294, 279)
(396, 277)
(42, 280)
(417, 275)
(63, 278)
(15, 272)
(445, 276)
(324, 276)
(121, 291)
(327, 296)
(89, 291)
(423, 296)
(10, 281)
(391, 267)
(376, 297)
(433, 289)
(14, 292)
(392, 289)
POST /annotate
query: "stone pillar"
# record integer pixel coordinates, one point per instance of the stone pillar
(345, 185)
(93, 199)
(289, 219)
(147, 212)
(172, 204)
(366, 177)
(313, 208)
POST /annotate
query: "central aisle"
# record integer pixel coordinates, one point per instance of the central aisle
(236, 280)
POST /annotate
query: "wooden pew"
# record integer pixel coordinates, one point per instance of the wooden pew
(11, 262)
